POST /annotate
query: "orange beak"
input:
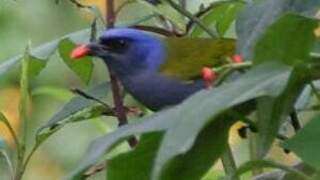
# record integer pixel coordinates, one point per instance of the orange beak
(80, 52)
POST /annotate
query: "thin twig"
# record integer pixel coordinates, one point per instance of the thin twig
(157, 30)
(192, 18)
(88, 96)
(123, 5)
(79, 5)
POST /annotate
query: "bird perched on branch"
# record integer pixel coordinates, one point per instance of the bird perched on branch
(157, 72)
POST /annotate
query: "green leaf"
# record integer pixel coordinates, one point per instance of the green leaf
(269, 164)
(277, 43)
(203, 153)
(76, 105)
(258, 15)
(168, 12)
(220, 17)
(59, 93)
(179, 138)
(182, 126)
(142, 155)
(306, 142)
(41, 54)
(83, 68)
(207, 148)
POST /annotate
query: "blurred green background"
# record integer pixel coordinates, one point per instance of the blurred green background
(40, 21)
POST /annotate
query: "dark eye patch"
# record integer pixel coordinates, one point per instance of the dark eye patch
(115, 44)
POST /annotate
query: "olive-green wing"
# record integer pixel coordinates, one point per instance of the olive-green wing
(187, 56)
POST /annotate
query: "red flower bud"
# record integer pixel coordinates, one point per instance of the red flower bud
(237, 59)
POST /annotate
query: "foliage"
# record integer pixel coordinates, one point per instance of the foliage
(275, 85)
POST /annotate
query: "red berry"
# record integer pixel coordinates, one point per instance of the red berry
(208, 75)
(79, 52)
(237, 59)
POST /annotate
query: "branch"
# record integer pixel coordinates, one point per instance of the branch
(116, 90)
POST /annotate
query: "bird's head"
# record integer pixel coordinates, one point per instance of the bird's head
(126, 51)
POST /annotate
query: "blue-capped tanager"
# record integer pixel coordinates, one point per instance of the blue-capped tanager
(157, 72)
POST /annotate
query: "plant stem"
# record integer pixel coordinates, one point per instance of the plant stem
(253, 153)
(11, 130)
(116, 90)
(9, 163)
(228, 162)
(192, 18)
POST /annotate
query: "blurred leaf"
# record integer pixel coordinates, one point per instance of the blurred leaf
(277, 45)
(168, 12)
(268, 164)
(290, 40)
(220, 17)
(182, 126)
(77, 104)
(85, 114)
(306, 142)
(2, 144)
(56, 92)
(41, 54)
(304, 99)
(258, 15)
(83, 68)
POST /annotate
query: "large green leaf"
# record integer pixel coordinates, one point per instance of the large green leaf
(138, 161)
(220, 17)
(76, 105)
(203, 153)
(289, 40)
(195, 113)
(206, 150)
(277, 45)
(306, 142)
(83, 68)
(183, 123)
(258, 15)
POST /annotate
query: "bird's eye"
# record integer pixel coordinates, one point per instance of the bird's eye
(115, 44)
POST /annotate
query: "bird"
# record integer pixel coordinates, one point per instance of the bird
(158, 72)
